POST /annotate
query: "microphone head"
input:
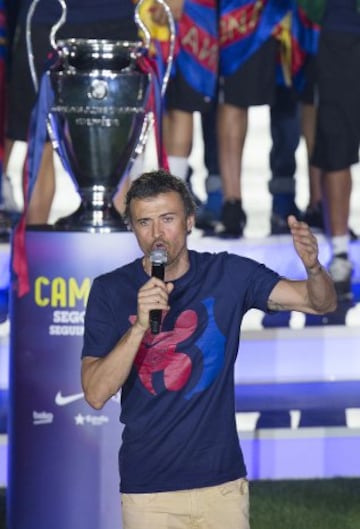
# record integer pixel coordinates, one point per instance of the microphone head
(158, 256)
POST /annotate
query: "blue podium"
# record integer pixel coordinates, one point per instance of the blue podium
(63, 471)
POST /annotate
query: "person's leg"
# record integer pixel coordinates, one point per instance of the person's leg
(181, 101)
(337, 144)
(252, 84)
(44, 189)
(285, 135)
(136, 169)
(8, 147)
(9, 208)
(160, 510)
(220, 506)
(7, 192)
(225, 505)
(120, 195)
(213, 184)
(232, 128)
(314, 214)
(208, 127)
(337, 192)
(21, 92)
(314, 211)
(308, 126)
(177, 133)
(208, 214)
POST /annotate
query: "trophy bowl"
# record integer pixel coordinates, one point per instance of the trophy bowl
(99, 111)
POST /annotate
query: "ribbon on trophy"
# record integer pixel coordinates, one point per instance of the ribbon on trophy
(155, 68)
(154, 64)
(37, 136)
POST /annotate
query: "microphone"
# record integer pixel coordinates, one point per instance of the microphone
(158, 258)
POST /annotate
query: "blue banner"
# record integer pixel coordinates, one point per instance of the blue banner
(63, 469)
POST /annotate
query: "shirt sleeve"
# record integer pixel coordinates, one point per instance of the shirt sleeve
(101, 331)
(253, 281)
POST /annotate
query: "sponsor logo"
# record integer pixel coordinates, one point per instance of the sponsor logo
(42, 417)
(64, 400)
(93, 420)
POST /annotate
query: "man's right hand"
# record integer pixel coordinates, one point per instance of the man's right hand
(154, 295)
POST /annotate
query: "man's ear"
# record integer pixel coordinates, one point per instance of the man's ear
(190, 224)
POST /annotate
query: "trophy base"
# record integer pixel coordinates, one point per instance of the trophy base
(91, 220)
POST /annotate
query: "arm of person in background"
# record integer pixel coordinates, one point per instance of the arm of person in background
(158, 12)
(314, 295)
(102, 377)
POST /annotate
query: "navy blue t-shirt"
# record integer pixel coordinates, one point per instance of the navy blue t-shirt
(177, 404)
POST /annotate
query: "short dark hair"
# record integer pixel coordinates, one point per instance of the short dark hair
(152, 184)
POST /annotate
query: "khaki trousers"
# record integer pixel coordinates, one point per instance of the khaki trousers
(224, 506)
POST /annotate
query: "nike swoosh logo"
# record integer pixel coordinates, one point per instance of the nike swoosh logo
(63, 400)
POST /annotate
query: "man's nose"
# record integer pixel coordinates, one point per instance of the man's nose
(156, 228)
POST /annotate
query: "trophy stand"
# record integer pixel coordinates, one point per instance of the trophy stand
(95, 214)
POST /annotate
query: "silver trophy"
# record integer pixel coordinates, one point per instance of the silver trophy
(100, 119)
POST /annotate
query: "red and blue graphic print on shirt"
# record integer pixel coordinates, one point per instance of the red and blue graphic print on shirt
(174, 361)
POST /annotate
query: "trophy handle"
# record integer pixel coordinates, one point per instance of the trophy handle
(147, 35)
(55, 28)
(53, 32)
(144, 134)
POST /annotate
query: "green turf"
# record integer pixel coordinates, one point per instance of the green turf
(307, 504)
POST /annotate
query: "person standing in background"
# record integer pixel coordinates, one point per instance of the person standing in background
(293, 115)
(193, 81)
(247, 77)
(252, 37)
(337, 137)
